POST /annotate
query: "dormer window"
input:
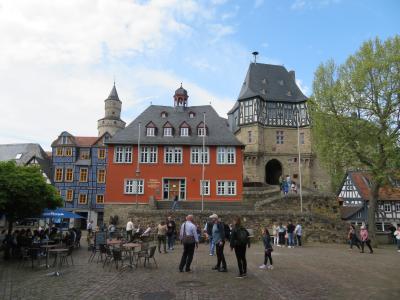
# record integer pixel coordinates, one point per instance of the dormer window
(184, 131)
(18, 156)
(201, 129)
(150, 131)
(168, 131)
(164, 114)
(192, 115)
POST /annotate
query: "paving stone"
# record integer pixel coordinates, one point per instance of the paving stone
(316, 271)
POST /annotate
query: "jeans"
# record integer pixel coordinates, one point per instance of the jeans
(290, 239)
(220, 255)
(354, 241)
(171, 241)
(129, 235)
(187, 256)
(281, 240)
(162, 240)
(298, 240)
(398, 244)
(240, 251)
(368, 242)
(212, 245)
(267, 256)
(175, 205)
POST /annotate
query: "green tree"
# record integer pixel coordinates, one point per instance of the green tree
(356, 114)
(24, 192)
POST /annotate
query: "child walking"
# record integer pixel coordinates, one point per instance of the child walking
(267, 250)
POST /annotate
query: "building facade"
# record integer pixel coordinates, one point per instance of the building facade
(79, 165)
(353, 197)
(270, 117)
(160, 156)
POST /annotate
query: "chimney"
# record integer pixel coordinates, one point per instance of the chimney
(292, 75)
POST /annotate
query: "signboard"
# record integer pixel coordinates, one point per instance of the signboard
(153, 183)
(100, 238)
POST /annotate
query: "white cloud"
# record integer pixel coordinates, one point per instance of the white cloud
(83, 31)
(58, 58)
(304, 88)
(311, 4)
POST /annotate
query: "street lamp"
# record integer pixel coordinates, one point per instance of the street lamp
(137, 173)
(297, 112)
(202, 160)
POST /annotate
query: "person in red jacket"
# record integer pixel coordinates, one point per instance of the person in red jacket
(365, 239)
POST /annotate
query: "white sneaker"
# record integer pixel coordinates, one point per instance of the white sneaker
(270, 267)
(262, 267)
(398, 251)
(211, 254)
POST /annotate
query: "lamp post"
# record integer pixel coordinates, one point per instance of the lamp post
(137, 173)
(202, 161)
(297, 112)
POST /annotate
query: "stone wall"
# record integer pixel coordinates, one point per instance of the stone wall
(316, 227)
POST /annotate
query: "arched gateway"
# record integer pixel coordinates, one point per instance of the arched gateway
(273, 170)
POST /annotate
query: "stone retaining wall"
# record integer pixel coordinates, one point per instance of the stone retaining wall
(316, 227)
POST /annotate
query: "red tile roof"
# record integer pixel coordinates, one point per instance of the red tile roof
(85, 141)
(360, 179)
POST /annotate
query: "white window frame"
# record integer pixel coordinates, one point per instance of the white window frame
(167, 131)
(226, 188)
(397, 207)
(173, 155)
(148, 154)
(131, 186)
(123, 154)
(184, 131)
(196, 155)
(301, 138)
(226, 155)
(201, 131)
(150, 131)
(280, 137)
(206, 185)
(387, 207)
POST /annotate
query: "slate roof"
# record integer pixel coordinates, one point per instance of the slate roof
(28, 152)
(348, 211)
(361, 181)
(217, 127)
(113, 94)
(271, 83)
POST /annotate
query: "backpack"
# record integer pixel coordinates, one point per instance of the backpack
(227, 232)
(242, 236)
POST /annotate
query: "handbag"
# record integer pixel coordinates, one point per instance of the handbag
(187, 239)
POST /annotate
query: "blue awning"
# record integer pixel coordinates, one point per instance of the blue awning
(60, 213)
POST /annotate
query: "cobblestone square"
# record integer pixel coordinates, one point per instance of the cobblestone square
(317, 271)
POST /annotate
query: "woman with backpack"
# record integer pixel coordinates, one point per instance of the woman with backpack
(239, 241)
(267, 250)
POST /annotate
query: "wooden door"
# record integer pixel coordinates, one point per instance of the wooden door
(173, 188)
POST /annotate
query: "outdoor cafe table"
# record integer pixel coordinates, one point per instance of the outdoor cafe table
(130, 247)
(57, 252)
(114, 242)
(47, 248)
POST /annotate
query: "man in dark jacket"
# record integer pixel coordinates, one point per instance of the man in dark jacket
(218, 236)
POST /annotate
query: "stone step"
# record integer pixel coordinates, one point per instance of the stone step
(208, 205)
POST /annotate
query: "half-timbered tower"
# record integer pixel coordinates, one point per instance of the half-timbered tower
(353, 197)
(160, 156)
(265, 118)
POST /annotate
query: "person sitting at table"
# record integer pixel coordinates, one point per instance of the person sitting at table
(147, 232)
(68, 240)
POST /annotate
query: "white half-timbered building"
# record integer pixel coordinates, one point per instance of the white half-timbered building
(353, 197)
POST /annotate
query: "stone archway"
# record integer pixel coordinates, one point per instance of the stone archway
(273, 170)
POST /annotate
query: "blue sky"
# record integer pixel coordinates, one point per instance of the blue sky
(58, 58)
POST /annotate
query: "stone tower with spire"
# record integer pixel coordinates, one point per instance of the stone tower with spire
(111, 122)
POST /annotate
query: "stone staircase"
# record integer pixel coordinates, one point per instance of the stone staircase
(208, 205)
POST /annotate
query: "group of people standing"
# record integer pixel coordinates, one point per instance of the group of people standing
(289, 235)
(359, 239)
(287, 185)
(218, 234)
